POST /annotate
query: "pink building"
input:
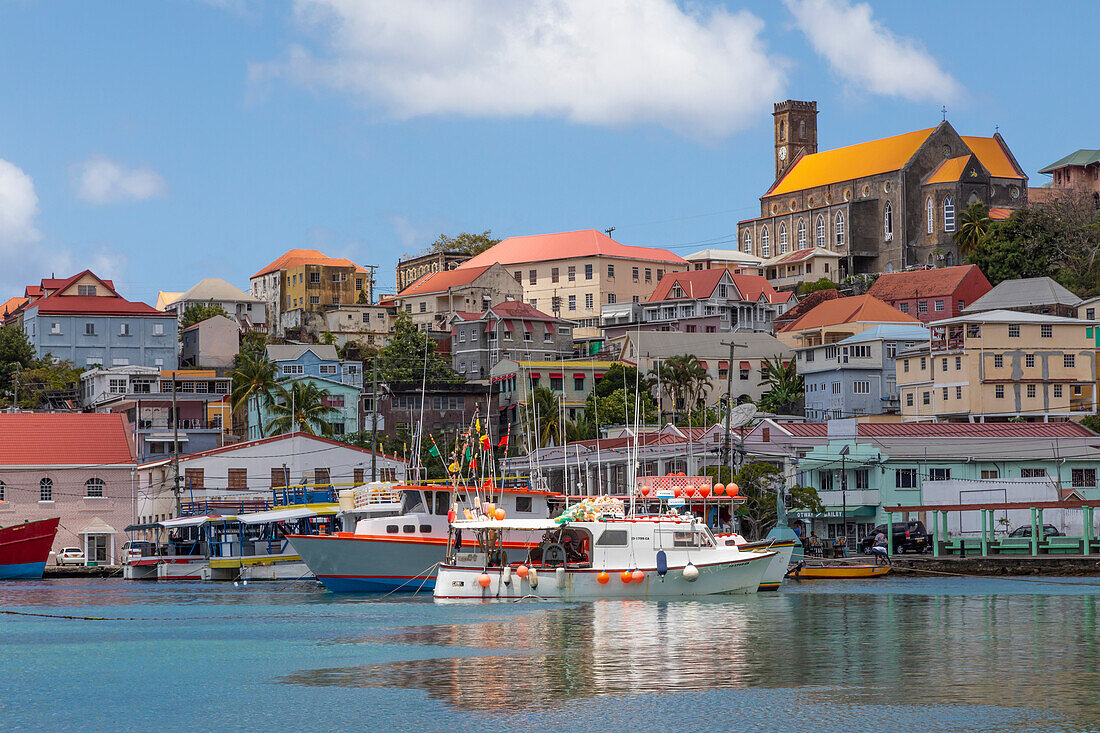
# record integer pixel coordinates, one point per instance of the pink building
(76, 466)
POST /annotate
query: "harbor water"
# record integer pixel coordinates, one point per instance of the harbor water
(958, 654)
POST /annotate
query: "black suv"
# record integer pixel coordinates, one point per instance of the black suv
(1049, 530)
(908, 537)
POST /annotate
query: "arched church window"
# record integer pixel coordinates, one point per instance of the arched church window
(819, 236)
(949, 214)
(748, 241)
(888, 221)
(801, 234)
(782, 239)
(838, 228)
(930, 210)
(765, 243)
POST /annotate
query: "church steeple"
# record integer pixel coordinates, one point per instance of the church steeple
(795, 132)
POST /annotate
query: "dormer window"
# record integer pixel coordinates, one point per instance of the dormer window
(677, 291)
(722, 291)
(85, 290)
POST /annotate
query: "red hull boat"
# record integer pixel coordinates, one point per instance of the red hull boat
(24, 548)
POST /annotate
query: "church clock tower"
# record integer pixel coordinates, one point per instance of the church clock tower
(795, 133)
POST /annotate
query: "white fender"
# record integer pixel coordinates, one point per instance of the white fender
(533, 576)
(506, 576)
(559, 575)
(691, 573)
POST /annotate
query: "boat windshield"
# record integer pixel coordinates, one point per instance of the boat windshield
(411, 502)
(685, 537)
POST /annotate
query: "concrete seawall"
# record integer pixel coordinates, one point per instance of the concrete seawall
(79, 571)
(1043, 565)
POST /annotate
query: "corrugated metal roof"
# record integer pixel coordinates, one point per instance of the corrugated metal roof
(949, 430)
(1025, 292)
(924, 283)
(566, 245)
(891, 331)
(64, 439)
(1080, 157)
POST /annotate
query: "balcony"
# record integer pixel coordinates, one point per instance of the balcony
(183, 423)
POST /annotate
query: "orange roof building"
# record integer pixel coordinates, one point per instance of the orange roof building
(304, 281)
(858, 201)
(573, 275)
(434, 298)
(833, 320)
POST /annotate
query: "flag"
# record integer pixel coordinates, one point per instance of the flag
(433, 450)
(454, 467)
(469, 453)
(477, 425)
(485, 444)
(503, 442)
(473, 463)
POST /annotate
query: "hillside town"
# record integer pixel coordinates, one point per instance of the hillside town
(915, 300)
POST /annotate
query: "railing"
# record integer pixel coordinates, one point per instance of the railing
(223, 506)
(289, 495)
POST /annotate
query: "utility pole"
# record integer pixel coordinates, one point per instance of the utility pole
(728, 438)
(176, 446)
(374, 420)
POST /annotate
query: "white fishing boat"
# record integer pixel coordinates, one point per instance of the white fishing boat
(777, 569)
(594, 552)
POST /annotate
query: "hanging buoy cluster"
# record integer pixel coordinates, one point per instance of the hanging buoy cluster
(627, 576)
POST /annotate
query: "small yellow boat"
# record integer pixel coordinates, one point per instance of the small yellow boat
(836, 572)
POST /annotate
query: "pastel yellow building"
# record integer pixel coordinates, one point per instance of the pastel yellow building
(1000, 365)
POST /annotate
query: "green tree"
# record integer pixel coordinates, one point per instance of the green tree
(1092, 422)
(253, 344)
(822, 283)
(362, 299)
(199, 312)
(758, 483)
(684, 380)
(402, 359)
(44, 376)
(254, 376)
(785, 385)
(579, 429)
(544, 419)
(300, 404)
(618, 408)
(974, 227)
(620, 376)
(467, 243)
(16, 353)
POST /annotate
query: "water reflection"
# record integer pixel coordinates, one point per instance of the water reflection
(1032, 651)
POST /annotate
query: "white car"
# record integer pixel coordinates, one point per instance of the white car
(71, 556)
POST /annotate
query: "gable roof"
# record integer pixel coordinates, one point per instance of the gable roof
(64, 439)
(993, 154)
(1023, 293)
(13, 304)
(801, 255)
(1068, 429)
(1011, 316)
(1080, 157)
(890, 332)
(214, 288)
(854, 309)
(923, 283)
(441, 282)
(565, 245)
(949, 171)
(694, 283)
(276, 439)
(293, 352)
(298, 257)
(521, 310)
(752, 287)
(102, 305)
(214, 320)
(805, 305)
(165, 299)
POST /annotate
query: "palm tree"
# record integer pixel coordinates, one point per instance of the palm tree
(544, 416)
(974, 226)
(684, 380)
(254, 376)
(301, 406)
(579, 429)
(785, 385)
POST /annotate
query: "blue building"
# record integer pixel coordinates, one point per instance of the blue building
(315, 360)
(343, 397)
(856, 375)
(84, 320)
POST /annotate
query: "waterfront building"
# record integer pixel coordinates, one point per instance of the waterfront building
(315, 360)
(932, 295)
(1001, 365)
(301, 283)
(84, 320)
(881, 205)
(857, 375)
(200, 418)
(573, 274)
(443, 408)
(246, 310)
(434, 298)
(1042, 295)
(76, 466)
(211, 343)
(411, 269)
(218, 480)
(509, 330)
(833, 320)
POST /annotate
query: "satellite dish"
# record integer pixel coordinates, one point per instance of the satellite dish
(742, 415)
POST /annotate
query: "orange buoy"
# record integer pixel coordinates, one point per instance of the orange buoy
(704, 492)
(483, 580)
(602, 577)
(677, 492)
(499, 514)
(732, 490)
(637, 575)
(522, 571)
(626, 577)
(719, 489)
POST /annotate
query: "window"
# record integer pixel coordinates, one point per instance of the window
(1067, 361)
(89, 329)
(578, 384)
(949, 214)
(973, 331)
(634, 274)
(1090, 314)
(648, 275)
(905, 366)
(1083, 478)
(958, 393)
(1046, 331)
(926, 398)
(610, 298)
(819, 233)
(863, 478)
(518, 276)
(782, 238)
(861, 387)
(961, 304)
(888, 221)
(358, 283)
(588, 301)
(554, 274)
(557, 383)
(905, 478)
(660, 273)
(923, 363)
(945, 394)
(998, 361)
(1031, 391)
(2, 487)
(903, 307)
(45, 490)
(316, 300)
(588, 272)
(939, 305)
(922, 306)
(93, 487)
(801, 234)
(533, 276)
(929, 210)
(990, 473)
(838, 228)
(958, 363)
(293, 369)
(1014, 331)
(835, 387)
(572, 302)
(1058, 390)
(315, 277)
(327, 369)
(1029, 361)
(611, 271)
(939, 474)
(1033, 473)
(891, 351)
(746, 241)
(999, 391)
(825, 480)
(765, 243)
(908, 399)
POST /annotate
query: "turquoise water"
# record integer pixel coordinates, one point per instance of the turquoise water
(884, 655)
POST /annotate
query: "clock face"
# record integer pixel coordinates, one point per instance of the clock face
(783, 153)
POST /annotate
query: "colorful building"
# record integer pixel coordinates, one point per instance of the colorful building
(434, 298)
(932, 295)
(342, 397)
(305, 281)
(508, 330)
(833, 320)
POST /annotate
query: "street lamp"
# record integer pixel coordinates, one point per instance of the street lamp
(844, 493)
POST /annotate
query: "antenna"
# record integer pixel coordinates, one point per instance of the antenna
(608, 231)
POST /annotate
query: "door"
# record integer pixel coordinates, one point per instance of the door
(97, 548)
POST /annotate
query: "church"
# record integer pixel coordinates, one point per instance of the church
(878, 206)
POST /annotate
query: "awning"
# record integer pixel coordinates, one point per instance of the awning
(763, 363)
(599, 375)
(281, 515)
(579, 375)
(703, 364)
(527, 326)
(97, 526)
(556, 375)
(164, 437)
(549, 327)
(508, 326)
(140, 527)
(535, 375)
(195, 521)
(723, 365)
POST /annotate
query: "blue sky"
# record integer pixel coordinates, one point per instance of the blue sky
(159, 143)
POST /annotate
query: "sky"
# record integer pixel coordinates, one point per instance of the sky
(158, 143)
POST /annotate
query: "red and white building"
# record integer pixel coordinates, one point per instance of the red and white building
(932, 295)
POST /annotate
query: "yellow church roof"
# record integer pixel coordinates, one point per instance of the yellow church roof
(993, 156)
(855, 161)
(950, 170)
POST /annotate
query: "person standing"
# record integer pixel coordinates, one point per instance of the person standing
(879, 550)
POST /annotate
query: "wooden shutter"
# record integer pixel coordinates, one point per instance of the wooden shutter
(238, 478)
(320, 476)
(278, 477)
(193, 478)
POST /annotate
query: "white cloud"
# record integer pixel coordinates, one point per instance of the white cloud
(610, 62)
(18, 208)
(100, 180)
(864, 52)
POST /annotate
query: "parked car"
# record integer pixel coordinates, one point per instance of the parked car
(1049, 530)
(70, 556)
(134, 550)
(909, 536)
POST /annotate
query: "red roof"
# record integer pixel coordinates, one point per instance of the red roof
(299, 257)
(855, 309)
(64, 439)
(566, 245)
(807, 304)
(924, 283)
(801, 255)
(274, 439)
(949, 430)
(441, 282)
(694, 283)
(12, 305)
(752, 286)
(519, 309)
(100, 305)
